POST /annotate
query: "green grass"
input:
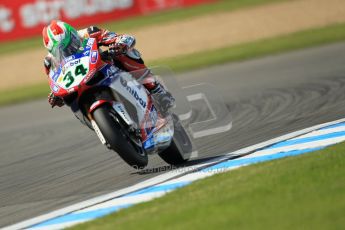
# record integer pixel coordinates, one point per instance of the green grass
(303, 192)
(123, 26)
(299, 40)
(23, 94)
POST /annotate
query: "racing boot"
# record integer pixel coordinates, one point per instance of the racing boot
(164, 100)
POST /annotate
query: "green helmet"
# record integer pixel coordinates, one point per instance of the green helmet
(61, 35)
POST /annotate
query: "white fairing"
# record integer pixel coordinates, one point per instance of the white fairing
(70, 68)
(133, 91)
(157, 138)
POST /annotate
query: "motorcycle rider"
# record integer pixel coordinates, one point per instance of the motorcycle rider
(123, 55)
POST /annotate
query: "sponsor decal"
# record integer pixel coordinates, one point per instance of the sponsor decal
(94, 57)
(119, 108)
(69, 65)
(6, 20)
(73, 63)
(70, 58)
(133, 92)
(90, 42)
(24, 18)
(33, 13)
(111, 72)
(55, 88)
(54, 75)
(98, 132)
(86, 53)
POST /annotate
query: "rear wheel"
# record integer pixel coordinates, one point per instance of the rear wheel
(118, 139)
(180, 148)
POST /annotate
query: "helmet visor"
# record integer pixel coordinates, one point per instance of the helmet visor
(64, 51)
(73, 46)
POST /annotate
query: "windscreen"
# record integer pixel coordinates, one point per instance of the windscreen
(61, 53)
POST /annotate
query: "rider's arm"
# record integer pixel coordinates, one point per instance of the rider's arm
(106, 38)
(52, 99)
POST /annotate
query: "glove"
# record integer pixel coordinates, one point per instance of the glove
(118, 49)
(54, 100)
(122, 44)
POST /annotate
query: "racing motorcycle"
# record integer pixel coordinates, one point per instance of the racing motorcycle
(117, 107)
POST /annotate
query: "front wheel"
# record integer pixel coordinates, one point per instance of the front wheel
(117, 139)
(180, 147)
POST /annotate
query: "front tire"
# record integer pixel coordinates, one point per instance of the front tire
(180, 147)
(117, 138)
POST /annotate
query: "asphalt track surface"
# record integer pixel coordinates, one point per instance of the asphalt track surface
(49, 160)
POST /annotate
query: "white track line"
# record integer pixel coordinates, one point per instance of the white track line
(58, 226)
(322, 132)
(124, 201)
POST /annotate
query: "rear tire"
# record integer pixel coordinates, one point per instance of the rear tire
(180, 147)
(118, 140)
